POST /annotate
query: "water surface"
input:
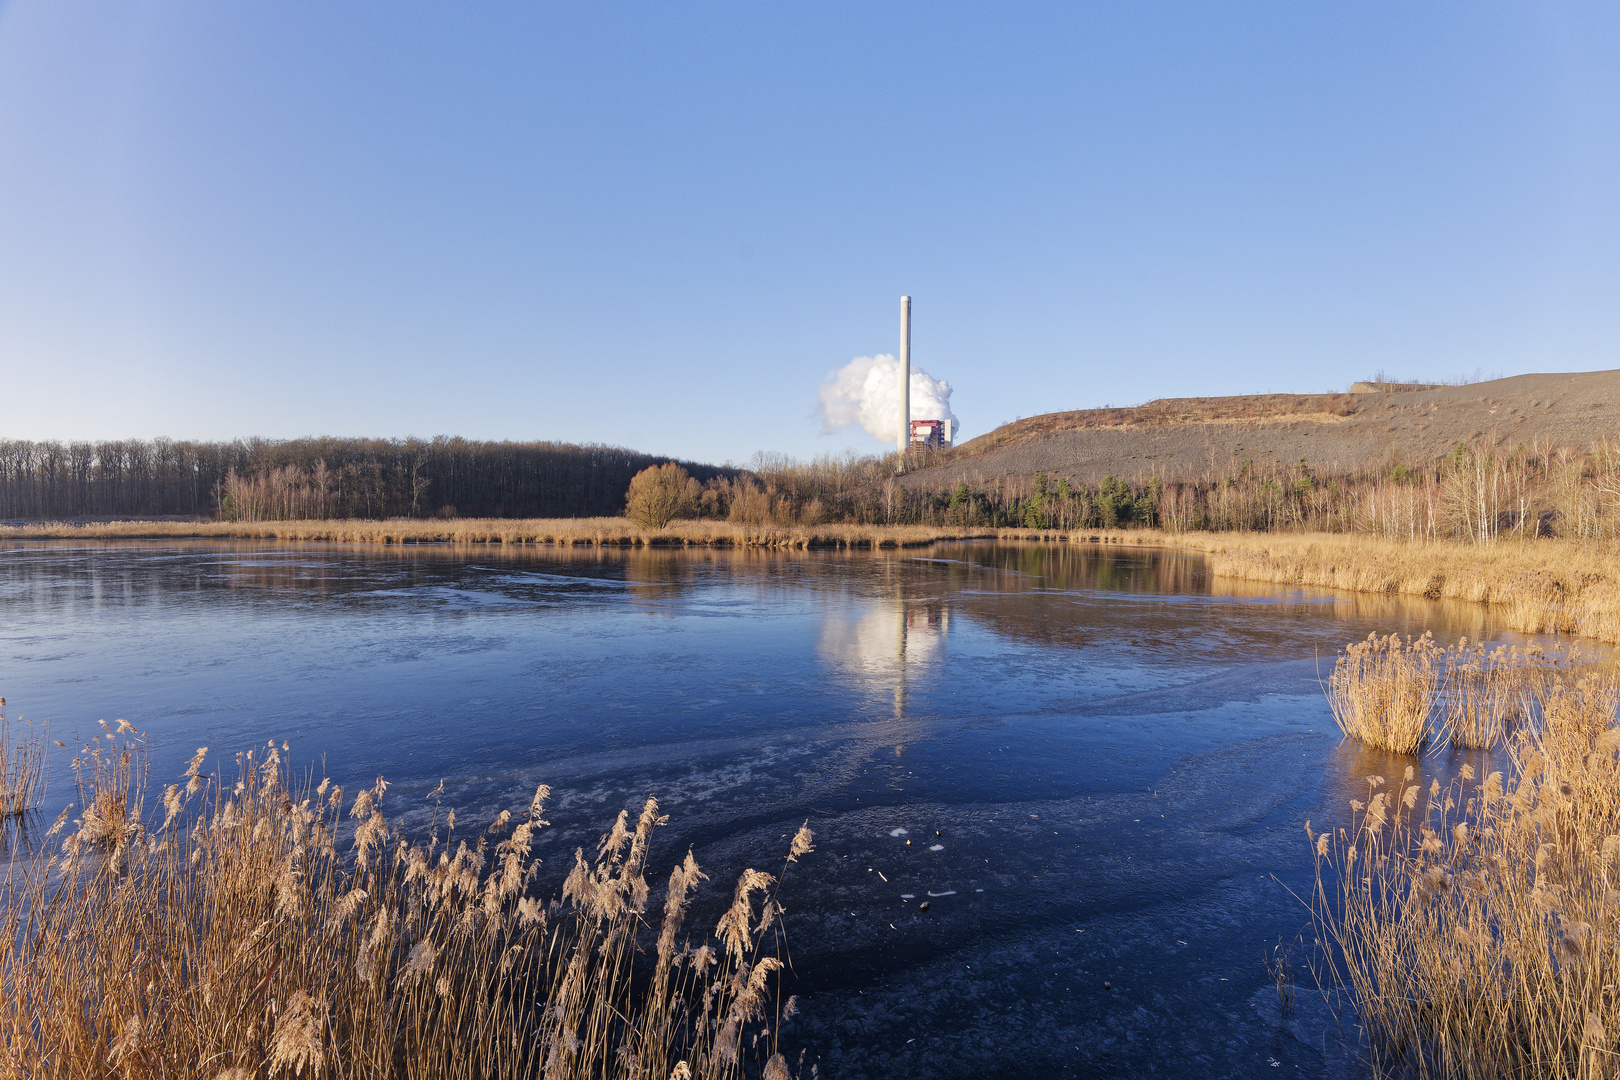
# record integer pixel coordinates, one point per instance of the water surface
(1102, 756)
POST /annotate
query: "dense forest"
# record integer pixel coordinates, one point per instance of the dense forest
(261, 479)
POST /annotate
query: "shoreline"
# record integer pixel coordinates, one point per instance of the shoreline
(555, 532)
(1537, 586)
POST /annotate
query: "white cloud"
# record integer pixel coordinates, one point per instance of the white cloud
(866, 391)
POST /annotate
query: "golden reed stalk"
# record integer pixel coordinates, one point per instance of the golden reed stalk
(1474, 926)
(268, 927)
(22, 767)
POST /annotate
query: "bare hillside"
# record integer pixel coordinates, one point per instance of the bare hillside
(1188, 436)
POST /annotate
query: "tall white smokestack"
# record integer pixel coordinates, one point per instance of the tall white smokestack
(904, 441)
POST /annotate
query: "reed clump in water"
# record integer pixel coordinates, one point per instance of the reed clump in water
(1397, 694)
(266, 928)
(1383, 689)
(22, 771)
(1487, 691)
(1475, 926)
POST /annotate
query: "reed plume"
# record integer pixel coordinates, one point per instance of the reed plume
(269, 927)
(1382, 690)
(1474, 925)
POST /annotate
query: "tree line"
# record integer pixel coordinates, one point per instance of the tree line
(261, 479)
(1477, 492)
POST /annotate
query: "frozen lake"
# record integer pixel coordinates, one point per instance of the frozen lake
(1102, 757)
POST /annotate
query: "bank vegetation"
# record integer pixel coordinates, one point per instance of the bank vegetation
(1478, 493)
(1549, 585)
(255, 923)
(1473, 924)
(565, 532)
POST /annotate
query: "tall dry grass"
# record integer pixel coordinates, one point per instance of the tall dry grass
(268, 926)
(1382, 690)
(1398, 694)
(1476, 926)
(1487, 691)
(565, 532)
(22, 766)
(1535, 586)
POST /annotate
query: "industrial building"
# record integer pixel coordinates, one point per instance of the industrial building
(932, 434)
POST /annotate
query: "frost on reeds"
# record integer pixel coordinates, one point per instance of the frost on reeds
(266, 927)
(1383, 689)
(1476, 926)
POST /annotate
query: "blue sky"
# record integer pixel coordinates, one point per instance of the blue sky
(663, 225)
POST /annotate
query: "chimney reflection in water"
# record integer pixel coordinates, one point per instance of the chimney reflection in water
(894, 641)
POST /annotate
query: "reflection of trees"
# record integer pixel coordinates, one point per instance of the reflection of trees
(1447, 618)
(1088, 566)
(659, 574)
(1062, 595)
(1070, 595)
(1051, 594)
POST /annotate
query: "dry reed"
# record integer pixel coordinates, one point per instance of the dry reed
(1487, 690)
(1475, 926)
(564, 532)
(234, 934)
(22, 767)
(1535, 586)
(1396, 694)
(1383, 689)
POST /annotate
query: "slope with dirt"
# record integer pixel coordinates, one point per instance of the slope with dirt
(1183, 437)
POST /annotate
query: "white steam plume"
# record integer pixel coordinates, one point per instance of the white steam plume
(866, 391)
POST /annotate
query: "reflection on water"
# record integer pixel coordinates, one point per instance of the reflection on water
(899, 637)
(1110, 752)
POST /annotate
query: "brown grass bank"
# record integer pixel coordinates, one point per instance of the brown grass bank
(566, 532)
(1537, 586)
(262, 926)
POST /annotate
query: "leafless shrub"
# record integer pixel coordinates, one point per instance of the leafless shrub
(659, 494)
